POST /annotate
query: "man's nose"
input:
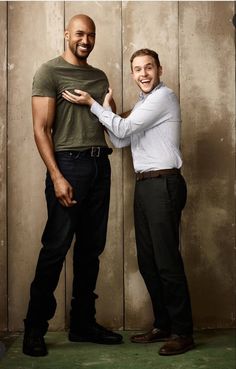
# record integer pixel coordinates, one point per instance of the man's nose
(144, 72)
(85, 39)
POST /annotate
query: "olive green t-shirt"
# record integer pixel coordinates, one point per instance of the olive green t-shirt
(75, 127)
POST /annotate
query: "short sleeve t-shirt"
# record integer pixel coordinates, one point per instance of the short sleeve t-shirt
(75, 127)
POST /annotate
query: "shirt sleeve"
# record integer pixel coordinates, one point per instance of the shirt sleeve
(43, 82)
(153, 111)
(119, 142)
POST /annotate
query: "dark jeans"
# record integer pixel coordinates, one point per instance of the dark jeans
(87, 220)
(158, 204)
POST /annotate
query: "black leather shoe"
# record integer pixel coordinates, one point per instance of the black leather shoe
(154, 335)
(97, 334)
(177, 345)
(34, 344)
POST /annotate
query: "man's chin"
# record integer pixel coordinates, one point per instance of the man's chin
(147, 90)
(82, 57)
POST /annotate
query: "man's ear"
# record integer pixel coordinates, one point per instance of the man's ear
(66, 35)
(160, 70)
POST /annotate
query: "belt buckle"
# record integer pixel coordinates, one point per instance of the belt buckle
(95, 152)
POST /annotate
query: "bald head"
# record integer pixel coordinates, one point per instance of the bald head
(80, 18)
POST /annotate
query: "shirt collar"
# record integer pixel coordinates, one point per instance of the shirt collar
(143, 96)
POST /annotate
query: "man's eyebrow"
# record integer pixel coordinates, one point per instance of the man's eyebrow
(146, 65)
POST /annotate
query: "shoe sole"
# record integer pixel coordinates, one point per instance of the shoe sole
(177, 352)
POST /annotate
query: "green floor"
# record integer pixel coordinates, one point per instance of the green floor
(215, 349)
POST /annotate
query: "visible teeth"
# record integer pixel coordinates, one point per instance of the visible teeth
(83, 47)
(145, 81)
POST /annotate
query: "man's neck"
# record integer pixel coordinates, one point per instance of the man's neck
(72, 59)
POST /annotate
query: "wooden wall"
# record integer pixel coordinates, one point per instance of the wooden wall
(207, 97)
(196, 48)
(3, 163)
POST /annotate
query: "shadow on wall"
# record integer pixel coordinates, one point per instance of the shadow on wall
(207, 223)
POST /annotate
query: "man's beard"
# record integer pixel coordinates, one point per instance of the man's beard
(79, 56)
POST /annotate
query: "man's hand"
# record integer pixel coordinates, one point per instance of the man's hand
(64, 192)
(82, 97)
(108, 101)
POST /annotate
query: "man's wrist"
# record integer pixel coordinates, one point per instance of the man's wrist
(91, 101)
(96, 108)
(56, 176)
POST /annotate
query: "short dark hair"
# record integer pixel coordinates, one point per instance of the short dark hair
(143, 52)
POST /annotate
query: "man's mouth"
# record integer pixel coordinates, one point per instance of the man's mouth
(145, 81)
(83, 47)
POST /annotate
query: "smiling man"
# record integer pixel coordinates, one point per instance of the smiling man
(80, 34)
(153, 131)
(72, 145)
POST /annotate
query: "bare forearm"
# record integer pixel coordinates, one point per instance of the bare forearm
(45, 147)
(43, 109)
(63, 190)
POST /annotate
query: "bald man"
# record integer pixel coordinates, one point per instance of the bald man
(75, 153)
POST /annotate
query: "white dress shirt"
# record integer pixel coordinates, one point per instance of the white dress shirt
(152, 129)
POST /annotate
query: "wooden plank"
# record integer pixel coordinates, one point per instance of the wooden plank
(107, 56)
(207, 91)
(3, 141)
(164, 40)
(31, 41)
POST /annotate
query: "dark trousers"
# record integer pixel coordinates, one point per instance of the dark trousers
(87, 220)
(158, 203)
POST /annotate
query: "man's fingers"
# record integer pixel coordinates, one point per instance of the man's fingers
(66, 201)
(68, 93)
(71, 194)
(68, 96)
(64, 193)
(68, 198)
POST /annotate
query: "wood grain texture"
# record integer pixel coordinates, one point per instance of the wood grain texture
(3, 164)
(32, 40)
(207, 93)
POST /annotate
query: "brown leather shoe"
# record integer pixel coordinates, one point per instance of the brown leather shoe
(177, 345)
(154, 335)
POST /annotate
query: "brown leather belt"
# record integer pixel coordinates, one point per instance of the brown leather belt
(156, 173)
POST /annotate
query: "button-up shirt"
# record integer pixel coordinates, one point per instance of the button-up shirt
(152, 129)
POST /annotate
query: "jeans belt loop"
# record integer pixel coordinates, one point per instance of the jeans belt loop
(95, 152)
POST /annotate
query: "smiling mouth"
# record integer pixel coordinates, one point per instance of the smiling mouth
(83, 47)
(145, 81)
